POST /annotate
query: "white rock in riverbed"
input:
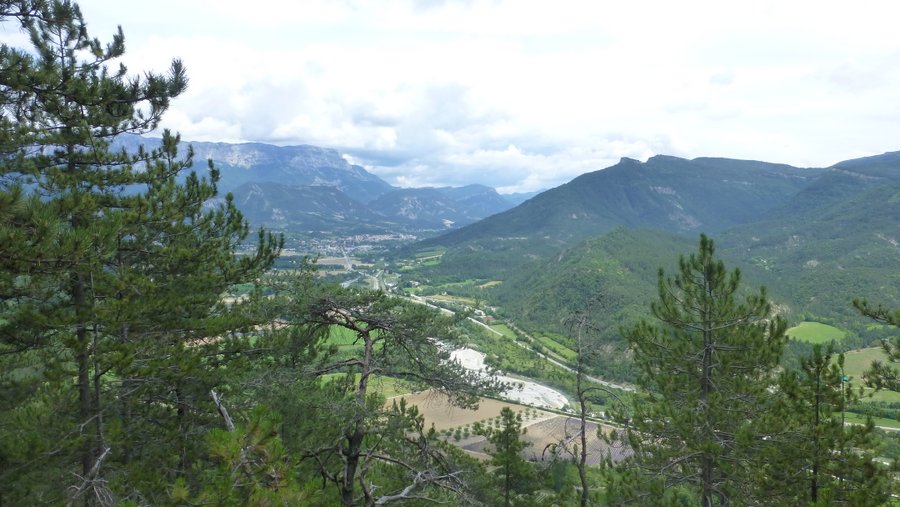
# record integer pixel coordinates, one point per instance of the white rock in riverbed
(530, 393)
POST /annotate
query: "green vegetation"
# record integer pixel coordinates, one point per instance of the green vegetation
(714, 192)
(555, 347)
(429, 253)
(706, 358)
(884, 374)
(623, 264)
(358, 439)
(112, 269)
(815, 332)
(514, 476)
(388, 387)
(151, 355)
(126, 379)
(709, 358)
(858, 361)
(504, 330)
(836, 458)
(854, 418)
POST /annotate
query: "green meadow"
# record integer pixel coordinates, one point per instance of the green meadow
(815, 332)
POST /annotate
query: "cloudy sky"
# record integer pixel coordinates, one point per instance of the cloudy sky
(524, 95)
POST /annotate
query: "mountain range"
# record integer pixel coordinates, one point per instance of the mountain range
(667, 193)
(816, 237)
(313, 189)
(316, 208)
(761, 202)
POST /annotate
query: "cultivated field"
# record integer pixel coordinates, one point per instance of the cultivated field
(542, 428)
(436, 409)
(563, 431)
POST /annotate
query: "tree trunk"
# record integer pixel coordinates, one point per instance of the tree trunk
(355, 438)
(814, 486)
(507, 484)
(706, 462)
(582, 403)
(83, 360)
(582, 462)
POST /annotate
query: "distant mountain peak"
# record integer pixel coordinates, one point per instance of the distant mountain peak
(299, 165)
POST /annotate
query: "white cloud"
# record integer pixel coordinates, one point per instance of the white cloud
(526, 94)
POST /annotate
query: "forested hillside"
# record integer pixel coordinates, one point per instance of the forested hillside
(818, 261)
(817, 238)
(620, 267)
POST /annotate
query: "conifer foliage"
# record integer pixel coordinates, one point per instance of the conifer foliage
(355, 436)
(112, 266)
(883, 375)
(817, 459)
(706, 367)
(514, 475)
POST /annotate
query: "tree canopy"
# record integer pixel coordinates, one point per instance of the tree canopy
(706, 369)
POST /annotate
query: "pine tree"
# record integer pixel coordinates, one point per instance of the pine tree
(815, 458)
(706, 369)
(514, 473)
(110, 267)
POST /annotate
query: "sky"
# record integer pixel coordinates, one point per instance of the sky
(525, 95)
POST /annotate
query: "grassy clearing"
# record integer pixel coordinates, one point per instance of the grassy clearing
(886, 396)
(858, 361)
(344, 342)
(557, 348)
(489, 284)
(815, 332)
(504, 330)
(850, 417)
(338, 335)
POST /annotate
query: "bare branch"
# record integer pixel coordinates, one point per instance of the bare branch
(229, 424)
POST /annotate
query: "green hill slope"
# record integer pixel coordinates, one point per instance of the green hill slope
(666, 193)
(816, 238)
(819, 260)
(621, 266)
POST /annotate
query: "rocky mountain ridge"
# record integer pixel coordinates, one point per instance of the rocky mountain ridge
(314, 189)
